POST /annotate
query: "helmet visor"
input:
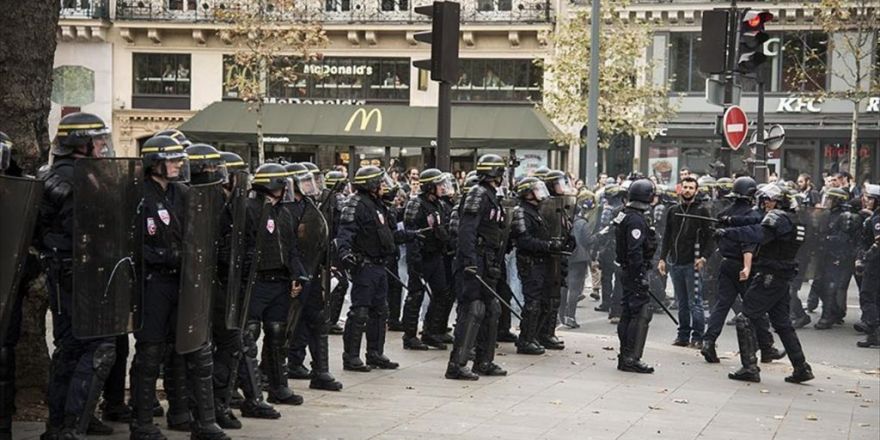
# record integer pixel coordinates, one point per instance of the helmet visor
(445, 188)
(319, 181)
(306, 184)
(540, 191)
(288, 190)
(5, 155)
(562, 186)
(176, 167)
(102, 144)
(386, 183)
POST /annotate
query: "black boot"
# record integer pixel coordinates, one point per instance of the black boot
(321, 377)
(771, 354)
(872, 339)
(802, 373)
(528, 329)
(802, 321)
(434, 330)
(376, 330)
(276, 343)
(636, 334)
(355, 326)
(178, 416)
(434, 341)
(470, 315)
(98, 428)
(547, 326)
(745, 334)
(484, 364)
(708, 352)
(144, 373)
(253, 405)
(200, 368)
(298, 372)
(414, 343)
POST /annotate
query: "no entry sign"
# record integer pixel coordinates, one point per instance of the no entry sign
(735, 126)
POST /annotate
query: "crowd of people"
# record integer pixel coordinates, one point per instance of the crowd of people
(230, 256)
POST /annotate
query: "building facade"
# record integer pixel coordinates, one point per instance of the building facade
(146, 65)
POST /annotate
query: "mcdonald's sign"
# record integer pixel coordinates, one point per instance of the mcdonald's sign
(365, 117)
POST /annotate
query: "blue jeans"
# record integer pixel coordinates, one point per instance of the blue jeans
(692, 321)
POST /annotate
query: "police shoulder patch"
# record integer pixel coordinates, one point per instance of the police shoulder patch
(636, 233)
(620, 216)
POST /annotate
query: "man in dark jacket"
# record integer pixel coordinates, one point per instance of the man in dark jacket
(685, 243)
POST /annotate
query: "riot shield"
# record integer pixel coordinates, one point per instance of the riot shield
(238, 206)
(107, 246)
(198, 275)
(22, 197)
(312, 238)
(809, 255)
(508, 204)
(558, 213)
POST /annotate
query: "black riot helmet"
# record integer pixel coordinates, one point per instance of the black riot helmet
(5, 152)
(490, 167)
(434, 181)
(541, 171)
(335, 180)
(641, 194)
(271, 177)
(872, 191)
(83, 133)
(372, 179)
(234, 162)
(206, 164)
(557, 183)
(744, 187)
(158, 152)
(531, 186)
(469, 182)
(176, 135)
(316, 174)
(303, 179)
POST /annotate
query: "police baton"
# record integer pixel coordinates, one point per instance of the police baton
(697, 217)
(497, 296)
(662, 306)
(428, 289)
(396, 278)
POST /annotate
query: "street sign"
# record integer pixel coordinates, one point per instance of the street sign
(715, 91)
(775, 138)
(735, 125)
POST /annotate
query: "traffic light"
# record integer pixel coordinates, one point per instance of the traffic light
(443, 38)
(751, 40)
(713, 42)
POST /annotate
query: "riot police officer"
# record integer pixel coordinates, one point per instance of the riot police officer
(477, 262)
(604, 249)
(80, 366)
(365, 242)
(839, 237)
(559, 217)
(531, 237)
(869, 262)
(635, 246)
(424, 261)
(441, 332)
(729, 285)
(778, 237)
(166, 164)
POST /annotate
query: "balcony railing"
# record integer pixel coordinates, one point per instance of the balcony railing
(342, 11)
(84, 9)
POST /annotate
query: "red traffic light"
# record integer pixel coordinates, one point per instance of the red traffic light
(755, 19)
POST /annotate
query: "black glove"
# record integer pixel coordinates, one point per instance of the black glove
(351, 262)
(441, 233)
(556, 246)
(720, 233)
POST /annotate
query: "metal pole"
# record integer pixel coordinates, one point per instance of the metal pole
(590, 158)
(352, 161)
(729, 77)
(387, 158)
(760, 171)
(444, 126)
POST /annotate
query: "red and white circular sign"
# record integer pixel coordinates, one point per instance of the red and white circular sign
(736, 126)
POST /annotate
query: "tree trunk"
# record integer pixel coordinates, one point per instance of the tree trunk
(261, 151)
(27, 53)
(854, 143)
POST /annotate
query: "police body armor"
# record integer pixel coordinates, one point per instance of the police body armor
(490, 232)
(108, 247)
(780, 255)
(21, 197)
(198, 270)
(375, 240)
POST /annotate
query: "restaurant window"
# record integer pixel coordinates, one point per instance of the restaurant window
(684, 66)
(394, 5)
(161, 81)
(498, 80)
(336, 80)
(804, 62)
(494, 5)
(337, 5)
(836, 158)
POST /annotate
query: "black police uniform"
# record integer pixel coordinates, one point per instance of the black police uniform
(531, 237)
(365, 235)
(395, 288)
(838, 263)
(635, 247)
(778, 237)
(479, 239)
(730, 288)
(336, 200)
(869, 292)
(448, 206)
(605, 245)
(79, 366)
(271, 244)
(425, 265)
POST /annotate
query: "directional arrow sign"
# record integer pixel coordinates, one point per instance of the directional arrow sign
(735, 126)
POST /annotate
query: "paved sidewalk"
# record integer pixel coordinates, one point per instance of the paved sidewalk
(573, 394)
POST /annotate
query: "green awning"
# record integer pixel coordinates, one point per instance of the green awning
(473, 126)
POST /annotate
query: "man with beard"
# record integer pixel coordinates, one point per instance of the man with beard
(807, 195)
(777, 239)
(685, 243)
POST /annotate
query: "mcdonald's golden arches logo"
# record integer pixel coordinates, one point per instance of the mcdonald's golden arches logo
(366, 117)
